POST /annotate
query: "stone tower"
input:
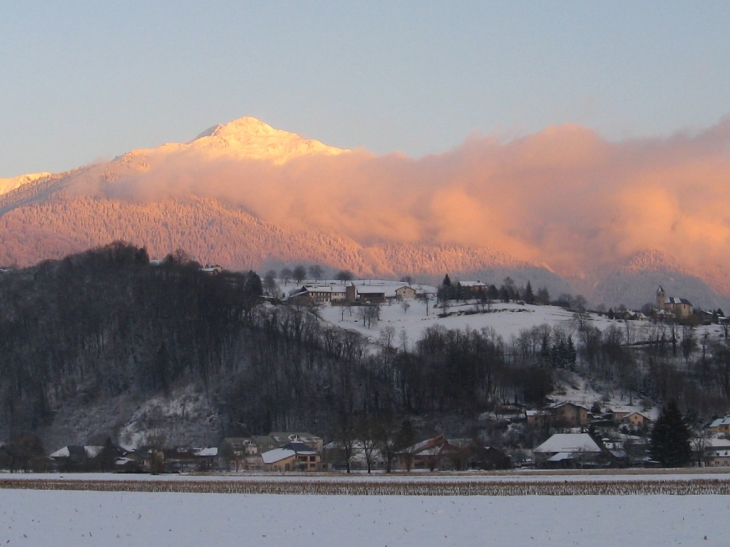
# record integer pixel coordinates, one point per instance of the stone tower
(661, 298)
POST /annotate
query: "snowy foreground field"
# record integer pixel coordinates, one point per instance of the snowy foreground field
(80, 518)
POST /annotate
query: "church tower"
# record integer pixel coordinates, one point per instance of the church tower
(661, 298)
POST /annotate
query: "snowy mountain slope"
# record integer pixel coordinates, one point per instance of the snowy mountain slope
(136, 198)
(9, 184)
(253, 139)
(246, 195)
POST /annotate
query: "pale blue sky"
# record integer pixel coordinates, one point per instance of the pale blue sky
(83, 80)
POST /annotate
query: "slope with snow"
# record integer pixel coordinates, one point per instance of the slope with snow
(10, 184)
(387, 216)
(253, 139)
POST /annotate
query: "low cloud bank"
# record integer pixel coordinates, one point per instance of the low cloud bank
(564, 197)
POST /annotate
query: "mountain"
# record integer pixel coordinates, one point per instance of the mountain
(634, 282)
(246, 195)
(253, 139)
(10, 184)
(68, 212)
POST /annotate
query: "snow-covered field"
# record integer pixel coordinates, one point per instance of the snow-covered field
(57, 518)
(507, 320)
(421, 476)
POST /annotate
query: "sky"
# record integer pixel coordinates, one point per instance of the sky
(90, 80)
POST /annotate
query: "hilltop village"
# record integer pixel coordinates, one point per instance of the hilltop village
(461, 376)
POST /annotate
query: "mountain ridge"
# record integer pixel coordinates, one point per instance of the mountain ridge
(247, 195)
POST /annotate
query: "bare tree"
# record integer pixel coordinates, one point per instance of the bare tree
(299, 273)
(316, 272)
(370, 314)
(347, 433)
(270, 283)
(385, 435)
(700, 441)
(286, 274)
(387, 337)
(366, 432)
(344, 276)
(423, 297)
(403, 337)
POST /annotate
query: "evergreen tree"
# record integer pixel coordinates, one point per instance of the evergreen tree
(529, 295)
(492, 292)
(543, 296)
(446, 291)
(670, 438)
(253, 284)
(504, 294)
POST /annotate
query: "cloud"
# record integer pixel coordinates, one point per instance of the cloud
(564, 196)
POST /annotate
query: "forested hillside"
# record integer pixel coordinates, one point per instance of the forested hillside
(106, 326)
(213, 232)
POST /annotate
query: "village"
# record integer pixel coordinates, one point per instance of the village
(573, 434)
(582, 439)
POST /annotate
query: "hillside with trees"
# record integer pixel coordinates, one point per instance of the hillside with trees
(89, 341)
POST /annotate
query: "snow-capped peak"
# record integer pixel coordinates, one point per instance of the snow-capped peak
(7, 185)
(246, 126)
(250, 138)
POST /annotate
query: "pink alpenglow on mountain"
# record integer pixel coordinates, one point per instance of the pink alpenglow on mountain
(562, 202)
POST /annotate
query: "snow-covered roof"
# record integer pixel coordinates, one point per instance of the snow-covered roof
(718, 443)
(206, 452)
(61, 453)
(623, 410)
(721, 421)
(565, 403)
(339, 445)
(324, 289)
(429, 447)
(560, 456)
(276, 455)
(300, 448)
(471, 284)
(286, 451)
(294, 436)
(536, 413)
(569, 442)
(65, 452)
(418, 447)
